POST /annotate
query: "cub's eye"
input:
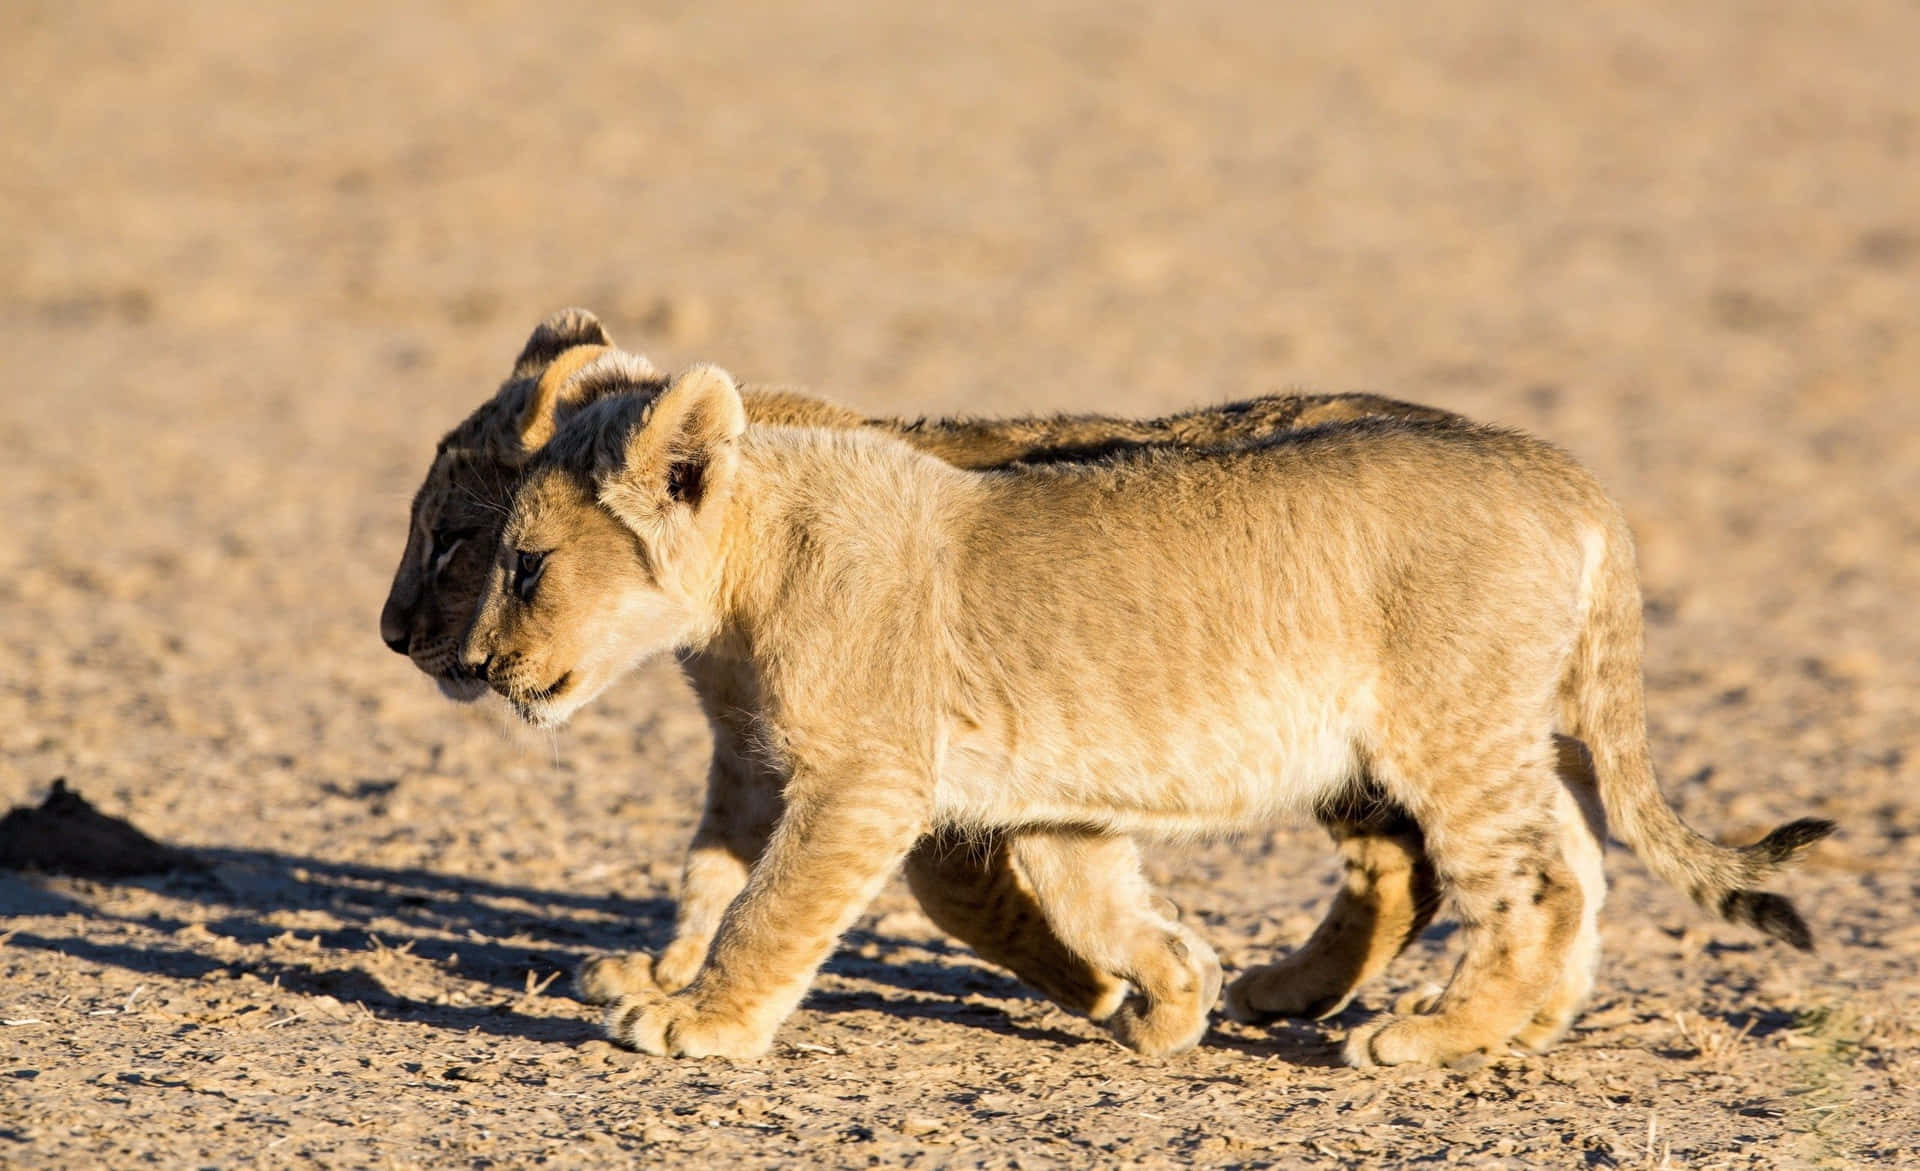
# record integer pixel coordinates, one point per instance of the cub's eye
(445, 545)
(527, 567)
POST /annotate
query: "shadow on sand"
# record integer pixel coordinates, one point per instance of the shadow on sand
(351, 931)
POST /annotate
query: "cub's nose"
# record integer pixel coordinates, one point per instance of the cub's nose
(476, 661)
(393, 630)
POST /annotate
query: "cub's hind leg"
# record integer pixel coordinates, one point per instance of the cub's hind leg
(1388, 895)
(1496, 846)
(970, 886)
(1583, 834)
(1100, 905)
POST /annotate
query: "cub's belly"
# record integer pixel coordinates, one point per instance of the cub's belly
(1213, 775)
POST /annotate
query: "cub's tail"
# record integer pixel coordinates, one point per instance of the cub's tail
(1604, 704)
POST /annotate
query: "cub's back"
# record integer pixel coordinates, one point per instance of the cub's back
(1335, 537)
(1381, 487)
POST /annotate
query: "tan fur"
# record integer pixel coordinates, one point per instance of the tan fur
(971, 886)
(1164, 642)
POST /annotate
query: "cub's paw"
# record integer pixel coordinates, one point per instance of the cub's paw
(608, 979)
(1157, 1029)
(679, 962)
(1415, 1040)
(1156, 1022)
(672, 1026)
(1298, 986)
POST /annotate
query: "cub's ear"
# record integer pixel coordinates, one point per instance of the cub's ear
(681, 456)
(558, 357)
(555, 336)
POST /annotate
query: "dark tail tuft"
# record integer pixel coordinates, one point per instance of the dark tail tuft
(1770, 912)
(1780, 846)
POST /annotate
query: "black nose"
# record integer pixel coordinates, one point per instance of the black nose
(394, 624)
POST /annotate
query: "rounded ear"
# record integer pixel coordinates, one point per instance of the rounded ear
(555, 336)
(702, 407)
(681, 454)
(578, 376)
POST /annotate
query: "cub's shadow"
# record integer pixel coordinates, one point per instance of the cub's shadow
(408, 944)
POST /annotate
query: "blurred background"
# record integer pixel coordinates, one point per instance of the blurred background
(255, 259)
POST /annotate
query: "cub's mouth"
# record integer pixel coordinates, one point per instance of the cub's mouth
(531, 706)
(460, 685)
(553, 690)
(437, 659)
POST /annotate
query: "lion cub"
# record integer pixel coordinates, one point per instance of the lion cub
(1160, 642)
(967, 882)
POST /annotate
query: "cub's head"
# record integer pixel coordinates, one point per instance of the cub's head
(457, 512)
(611, 551)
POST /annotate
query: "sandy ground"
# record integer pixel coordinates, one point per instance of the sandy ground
(251, 267)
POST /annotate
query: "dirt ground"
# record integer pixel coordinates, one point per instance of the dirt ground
(254, 259)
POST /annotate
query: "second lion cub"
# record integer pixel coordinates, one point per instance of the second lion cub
(1163, 641)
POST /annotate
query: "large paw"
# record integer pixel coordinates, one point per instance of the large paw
(1298, 986)
(673, 1026)
(608, 979)
(679, 962)
(1417, 1040)
(1172, 1018)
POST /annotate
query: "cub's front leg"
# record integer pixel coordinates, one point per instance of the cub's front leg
(743, 801)
(839, 839)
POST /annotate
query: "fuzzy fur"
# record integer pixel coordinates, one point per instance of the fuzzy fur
(971, 885)
(1158, 641)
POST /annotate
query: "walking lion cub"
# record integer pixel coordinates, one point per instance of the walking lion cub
(969, 884)
(1161, 641)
